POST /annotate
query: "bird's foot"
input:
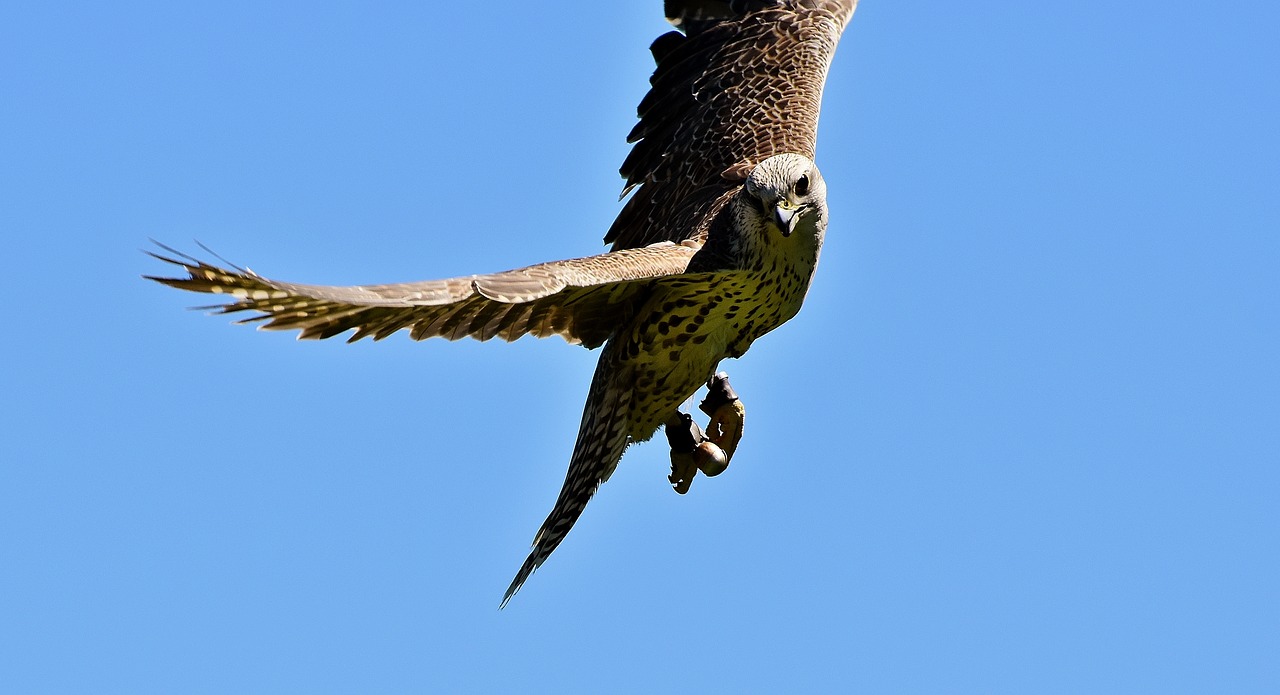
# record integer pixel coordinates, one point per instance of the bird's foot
(727, 416)
(687, 449)
(691, 449)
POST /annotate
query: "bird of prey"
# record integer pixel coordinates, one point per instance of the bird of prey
(715, 247)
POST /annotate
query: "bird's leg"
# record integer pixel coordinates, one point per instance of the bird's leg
(691, 449)
(725, 428)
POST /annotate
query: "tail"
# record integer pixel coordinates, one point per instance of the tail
(601, 440)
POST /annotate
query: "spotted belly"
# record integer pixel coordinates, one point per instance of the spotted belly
(681, 335)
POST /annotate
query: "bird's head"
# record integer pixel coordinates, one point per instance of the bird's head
(787, 189)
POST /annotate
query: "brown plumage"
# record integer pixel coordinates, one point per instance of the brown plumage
(743, 84)
(716, 246)
(580, 299)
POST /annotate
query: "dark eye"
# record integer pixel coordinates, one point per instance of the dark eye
(802, 185)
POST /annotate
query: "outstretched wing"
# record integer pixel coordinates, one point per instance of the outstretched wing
(582, 299)
(741, 84)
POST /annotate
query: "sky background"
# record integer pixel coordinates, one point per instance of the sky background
(1024, 436)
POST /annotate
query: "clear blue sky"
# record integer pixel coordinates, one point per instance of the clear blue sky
(1024, 437)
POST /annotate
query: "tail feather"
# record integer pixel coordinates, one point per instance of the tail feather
(602, 438)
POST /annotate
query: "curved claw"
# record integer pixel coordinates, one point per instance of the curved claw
(684, 436)
(683, 468)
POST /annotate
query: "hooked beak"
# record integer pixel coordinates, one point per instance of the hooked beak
(786, 217)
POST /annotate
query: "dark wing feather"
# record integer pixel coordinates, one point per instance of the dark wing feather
(582, 299)
(743, 83)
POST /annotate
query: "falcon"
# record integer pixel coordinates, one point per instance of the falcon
(715, 247)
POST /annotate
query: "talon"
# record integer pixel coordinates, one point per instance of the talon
(725, 428)
(684, 436)
(727, 415)
(683, 468)
(691, 449)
